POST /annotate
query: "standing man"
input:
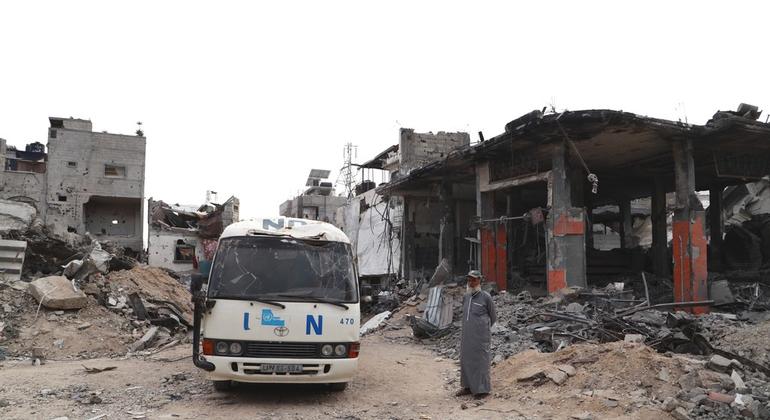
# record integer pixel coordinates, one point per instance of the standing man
(475, 355)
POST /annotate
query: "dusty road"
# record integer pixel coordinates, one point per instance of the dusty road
(395, 380)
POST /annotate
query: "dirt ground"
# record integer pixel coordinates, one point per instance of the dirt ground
(396, 380)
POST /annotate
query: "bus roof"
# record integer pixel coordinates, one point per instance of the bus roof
(287, 226)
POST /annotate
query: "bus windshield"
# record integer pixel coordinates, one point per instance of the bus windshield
(283, 269)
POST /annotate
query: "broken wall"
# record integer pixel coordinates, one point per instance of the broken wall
(419, 149)
(163, 249)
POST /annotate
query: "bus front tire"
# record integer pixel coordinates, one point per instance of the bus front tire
(338, 386)
(222, 385)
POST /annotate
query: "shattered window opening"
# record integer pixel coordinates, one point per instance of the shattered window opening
(184, 252)
(71, 164)
(272, 268)
(115, 171)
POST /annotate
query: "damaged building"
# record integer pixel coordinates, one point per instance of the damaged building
(317, 202)
(375, 223)
(86, 181)
(183, 237)
(540, 203)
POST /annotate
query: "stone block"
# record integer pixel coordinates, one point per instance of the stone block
(57, 292)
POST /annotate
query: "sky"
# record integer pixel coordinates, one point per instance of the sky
(245, 98)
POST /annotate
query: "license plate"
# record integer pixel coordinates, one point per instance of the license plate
(276, 368)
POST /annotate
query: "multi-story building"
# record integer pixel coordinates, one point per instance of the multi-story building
(87, 182)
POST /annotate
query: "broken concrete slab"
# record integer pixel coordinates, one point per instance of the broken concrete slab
(740, 386)
(146, 339)
(57, 292)
(11, 260)
(15, 215)
(719, 363)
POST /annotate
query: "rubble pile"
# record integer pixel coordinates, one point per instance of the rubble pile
(607, 380)
(122, 311)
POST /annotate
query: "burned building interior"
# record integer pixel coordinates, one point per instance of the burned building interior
(585, 197)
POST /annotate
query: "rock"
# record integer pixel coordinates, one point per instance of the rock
(84, 325)
(568, 369)
(680, 414)
(664, 375)
(689, 381)
(719, 363)
(582, 416)
(633, 339)
(607, 394)
(4, 403)
(715, 381)
(530, 374)
(497, 359)
(610, 403)
(721, 398)
(669, 404)
(59, 344)
(557, 376)
(56, 292)
(146, 339)
(740, 386)
(7, 308)
(574, 307)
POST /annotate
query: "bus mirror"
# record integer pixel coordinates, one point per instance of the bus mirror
(196, 282)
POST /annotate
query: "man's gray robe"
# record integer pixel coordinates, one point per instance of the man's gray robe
(475, 355)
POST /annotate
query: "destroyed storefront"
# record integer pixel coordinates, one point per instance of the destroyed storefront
(183, 237)
(568, 199)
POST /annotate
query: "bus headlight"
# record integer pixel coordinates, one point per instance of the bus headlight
(326, 350)
(221, 347)
(235, 348)
(340, 350)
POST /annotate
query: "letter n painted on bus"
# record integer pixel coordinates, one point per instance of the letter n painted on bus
(316, 324)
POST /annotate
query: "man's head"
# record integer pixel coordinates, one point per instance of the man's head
(474, 280)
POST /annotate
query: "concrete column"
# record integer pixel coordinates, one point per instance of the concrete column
(716, 226)
(660, 260)
(485, 208)
(407, 240)
(690, 260)
(446, 242)
(626, 225)
(566, 252)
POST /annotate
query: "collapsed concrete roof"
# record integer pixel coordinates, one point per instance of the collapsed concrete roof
(625, 150)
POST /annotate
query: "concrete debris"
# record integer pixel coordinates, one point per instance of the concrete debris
(146, 339)
(374, 323)
(15, 215)
(11, 260)
(557, 376)
(719, 363)
(739, 385)
(57, 292)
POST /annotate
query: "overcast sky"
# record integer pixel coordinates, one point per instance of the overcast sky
(245, 98)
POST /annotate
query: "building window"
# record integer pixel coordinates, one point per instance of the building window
(72, 164)
(52, 133)
(184, 252)
(115, 171)
(61, 197)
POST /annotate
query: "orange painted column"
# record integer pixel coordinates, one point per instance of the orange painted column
(689, 241)
(565, 235)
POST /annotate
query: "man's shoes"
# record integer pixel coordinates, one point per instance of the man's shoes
(464, 391)
(480, 396)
